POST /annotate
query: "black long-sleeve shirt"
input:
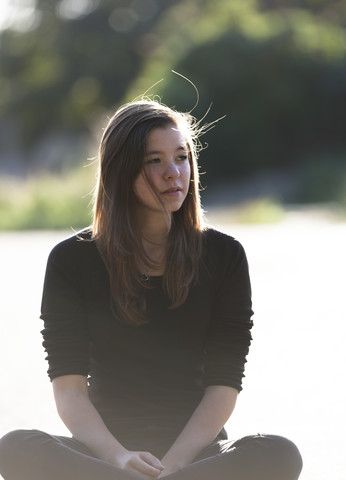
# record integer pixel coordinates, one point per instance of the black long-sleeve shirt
(149, 376)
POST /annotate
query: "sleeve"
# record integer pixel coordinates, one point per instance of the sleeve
(65, 333)
(229, 335)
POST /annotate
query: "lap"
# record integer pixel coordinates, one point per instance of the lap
(252, 453)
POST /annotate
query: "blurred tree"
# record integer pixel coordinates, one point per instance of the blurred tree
(332, 10)
(276, 68)
(281, 103)
(77, 60)
(278, 74)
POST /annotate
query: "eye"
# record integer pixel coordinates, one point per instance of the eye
(182, 158)
(152, 161)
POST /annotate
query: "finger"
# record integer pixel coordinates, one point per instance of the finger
(144, 474)
(139, 473)
(151, 460)
(144, 468)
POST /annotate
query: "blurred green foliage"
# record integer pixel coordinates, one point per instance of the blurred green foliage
(74, 64)
(263, 210)
(280, 78)
(322, 180)
(47, 201)
(275, 68)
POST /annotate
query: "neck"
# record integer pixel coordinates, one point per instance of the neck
(154, 231)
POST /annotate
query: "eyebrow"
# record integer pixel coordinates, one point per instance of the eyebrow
(156, 152)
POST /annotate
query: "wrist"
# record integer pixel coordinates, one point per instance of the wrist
(173, 463)
(112, 452)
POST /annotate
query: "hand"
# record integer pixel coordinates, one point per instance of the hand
(143, 464)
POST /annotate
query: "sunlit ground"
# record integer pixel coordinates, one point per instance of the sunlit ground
(294, 382)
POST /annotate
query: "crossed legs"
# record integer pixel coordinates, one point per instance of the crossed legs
(35, 455)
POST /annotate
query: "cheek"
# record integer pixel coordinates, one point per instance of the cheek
(141, 188)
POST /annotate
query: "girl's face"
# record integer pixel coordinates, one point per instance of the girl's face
(166, 170)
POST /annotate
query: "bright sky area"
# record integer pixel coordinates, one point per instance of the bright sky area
(20, 13)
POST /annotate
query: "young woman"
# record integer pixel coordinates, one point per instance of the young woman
(147, 319)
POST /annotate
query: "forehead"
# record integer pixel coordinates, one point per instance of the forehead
(171, 136)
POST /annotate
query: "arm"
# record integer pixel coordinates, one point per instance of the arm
(205, 423)
(86, 425)
(67, 342)
(227, 345)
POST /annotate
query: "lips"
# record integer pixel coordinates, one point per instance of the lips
(173, 190)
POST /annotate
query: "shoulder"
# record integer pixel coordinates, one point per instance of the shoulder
(214, 240)
(221, 251)
(70, 249)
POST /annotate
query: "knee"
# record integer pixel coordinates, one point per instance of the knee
(11, 446)
(10, 441)
(8, 446)
(285, 454)
(276, 455)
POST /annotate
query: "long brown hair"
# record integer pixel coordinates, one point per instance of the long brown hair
(115, 228)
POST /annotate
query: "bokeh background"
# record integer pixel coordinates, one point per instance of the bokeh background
(276, 69)
(274, 73)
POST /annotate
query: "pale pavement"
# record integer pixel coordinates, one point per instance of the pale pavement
(294, 383)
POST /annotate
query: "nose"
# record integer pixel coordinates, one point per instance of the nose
(172, 170)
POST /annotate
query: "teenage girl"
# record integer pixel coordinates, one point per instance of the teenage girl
(147, 318)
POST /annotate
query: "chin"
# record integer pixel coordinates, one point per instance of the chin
(174, 208)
